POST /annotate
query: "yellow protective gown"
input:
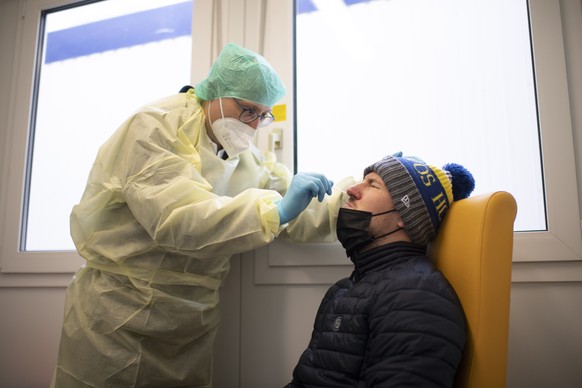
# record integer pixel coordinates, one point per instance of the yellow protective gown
(160, 217)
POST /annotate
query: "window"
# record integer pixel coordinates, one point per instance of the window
(264, 26)
(449, 81)
(555, 234)
(98, 62)
(79, 69)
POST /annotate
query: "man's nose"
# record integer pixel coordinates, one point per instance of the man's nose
(354, 191)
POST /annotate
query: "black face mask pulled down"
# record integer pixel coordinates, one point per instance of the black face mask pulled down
(353, 229)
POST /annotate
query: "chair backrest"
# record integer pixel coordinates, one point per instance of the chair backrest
(474, 249)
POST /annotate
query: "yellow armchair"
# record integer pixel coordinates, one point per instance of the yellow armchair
(474, 248)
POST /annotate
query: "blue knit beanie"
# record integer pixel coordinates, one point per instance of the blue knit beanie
(422, 193)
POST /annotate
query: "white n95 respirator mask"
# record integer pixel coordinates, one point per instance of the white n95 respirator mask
(232, 134)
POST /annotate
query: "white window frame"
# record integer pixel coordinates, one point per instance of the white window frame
(562, 241)
(552, 255)
(252, 22)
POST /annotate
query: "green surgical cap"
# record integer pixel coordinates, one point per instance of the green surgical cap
(241, 73)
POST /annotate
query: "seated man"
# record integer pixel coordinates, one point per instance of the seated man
(396, 321)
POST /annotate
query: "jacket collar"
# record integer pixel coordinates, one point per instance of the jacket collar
(384, 256)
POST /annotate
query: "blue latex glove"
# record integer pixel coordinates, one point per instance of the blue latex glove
(303, 187)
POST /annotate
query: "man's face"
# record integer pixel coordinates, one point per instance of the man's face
(370, 195)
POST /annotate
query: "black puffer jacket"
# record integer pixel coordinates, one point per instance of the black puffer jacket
(396, 322)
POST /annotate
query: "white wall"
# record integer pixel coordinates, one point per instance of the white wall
(30, 326)
(546, 314)
(545, 336)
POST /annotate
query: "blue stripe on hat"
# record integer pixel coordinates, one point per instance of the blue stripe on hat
(430, 188)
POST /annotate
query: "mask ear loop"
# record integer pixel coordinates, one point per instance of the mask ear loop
(210, 121)
(208, 111)
(389, 233)
(221, 112)
(386, 212)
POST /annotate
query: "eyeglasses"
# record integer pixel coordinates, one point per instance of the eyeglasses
(248, 115)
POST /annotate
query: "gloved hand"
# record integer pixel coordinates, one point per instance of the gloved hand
(303, 187)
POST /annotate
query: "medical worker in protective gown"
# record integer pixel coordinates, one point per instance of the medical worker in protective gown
(176, 191)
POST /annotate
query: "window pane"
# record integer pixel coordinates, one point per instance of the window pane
(99, 63)
(449, 81)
